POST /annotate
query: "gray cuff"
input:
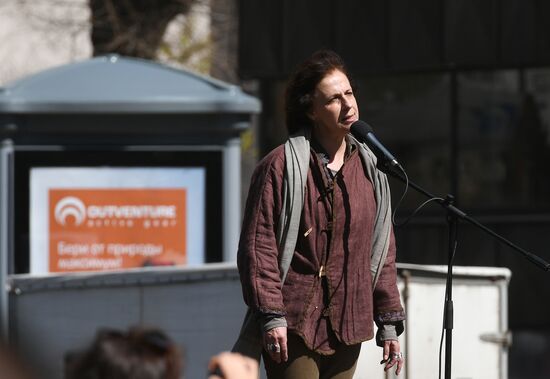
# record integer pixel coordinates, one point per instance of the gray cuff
(386, 332)
(273, 322)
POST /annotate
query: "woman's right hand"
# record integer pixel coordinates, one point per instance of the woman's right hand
(275, 343)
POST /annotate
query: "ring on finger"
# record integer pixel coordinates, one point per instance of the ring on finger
(397, 356)
(274, 347)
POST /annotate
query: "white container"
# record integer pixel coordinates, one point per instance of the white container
(480, 336)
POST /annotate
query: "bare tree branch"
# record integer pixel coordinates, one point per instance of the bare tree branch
(132, 27)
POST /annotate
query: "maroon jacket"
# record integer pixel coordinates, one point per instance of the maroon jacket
(334, 233)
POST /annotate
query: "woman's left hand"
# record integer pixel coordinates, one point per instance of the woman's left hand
(393, 356)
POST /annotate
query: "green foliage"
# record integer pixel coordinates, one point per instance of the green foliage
(192, 49)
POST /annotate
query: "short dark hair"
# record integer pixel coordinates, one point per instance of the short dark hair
(302, 83)
(140, 353)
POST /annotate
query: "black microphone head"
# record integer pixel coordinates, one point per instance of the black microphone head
(364, 133)
(360, 129)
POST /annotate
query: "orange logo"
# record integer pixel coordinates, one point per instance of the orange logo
(105, 229)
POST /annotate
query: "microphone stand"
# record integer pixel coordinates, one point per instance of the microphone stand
(454, 215)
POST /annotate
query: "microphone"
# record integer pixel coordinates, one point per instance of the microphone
(364, 133)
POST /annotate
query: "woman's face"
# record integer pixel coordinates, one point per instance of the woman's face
(334, 107)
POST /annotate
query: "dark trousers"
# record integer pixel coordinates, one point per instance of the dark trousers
(306, 364)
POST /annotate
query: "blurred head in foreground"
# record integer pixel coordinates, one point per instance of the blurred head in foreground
(11, 366)
(140, 353)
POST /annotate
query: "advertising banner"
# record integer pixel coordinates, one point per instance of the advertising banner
(89, 219)
(116, 228)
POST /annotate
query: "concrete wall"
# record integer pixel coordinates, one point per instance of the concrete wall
(202, 309)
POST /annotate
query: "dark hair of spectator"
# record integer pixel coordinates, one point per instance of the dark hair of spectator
(138, 354)
(302, 84)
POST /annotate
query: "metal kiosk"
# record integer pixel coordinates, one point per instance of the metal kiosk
(135, 123)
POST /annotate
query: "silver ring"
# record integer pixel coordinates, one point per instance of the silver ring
(397, 355)
(274, 347)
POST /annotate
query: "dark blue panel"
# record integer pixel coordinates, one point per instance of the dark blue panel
(307, 27)
(415, 34)
(260, 38)
(471, 30)
(543, 31)
(361, 34)
(518, 40)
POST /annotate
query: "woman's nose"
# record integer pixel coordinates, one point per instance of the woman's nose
(346, 103)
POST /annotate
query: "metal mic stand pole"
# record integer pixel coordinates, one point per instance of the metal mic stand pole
(453, 216)
(448, 313)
